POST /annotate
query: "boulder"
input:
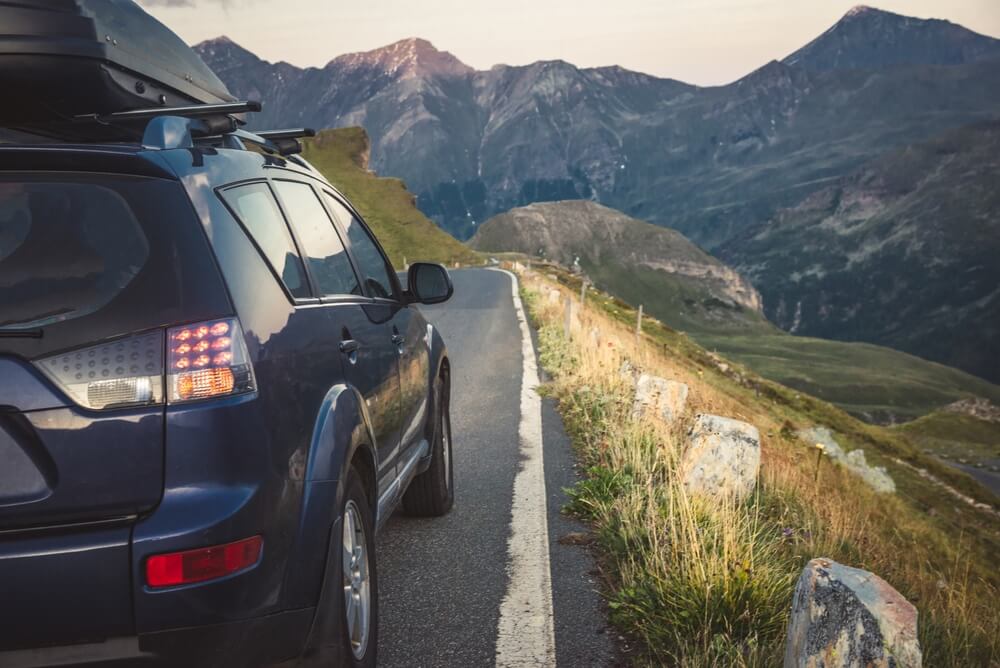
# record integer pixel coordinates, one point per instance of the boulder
(844, 617)
(554, 296)
(875, 476)
(658, 397)
(722, 458)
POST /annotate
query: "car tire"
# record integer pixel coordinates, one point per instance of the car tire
(432, 493)
(359, 602)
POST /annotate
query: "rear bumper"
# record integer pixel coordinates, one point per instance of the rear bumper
(251, 642)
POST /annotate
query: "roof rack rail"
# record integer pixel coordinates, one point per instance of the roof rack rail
(191, 111)
(290, 133)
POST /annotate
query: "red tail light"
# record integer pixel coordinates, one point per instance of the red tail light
(206, 563)
(207, 359)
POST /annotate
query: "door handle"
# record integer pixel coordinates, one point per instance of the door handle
(398, 339)
(350, 347)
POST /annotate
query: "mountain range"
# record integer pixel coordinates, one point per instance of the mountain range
(719, 164)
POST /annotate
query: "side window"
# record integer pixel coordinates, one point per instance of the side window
(324, 250)
(372, 264)
(256, 209)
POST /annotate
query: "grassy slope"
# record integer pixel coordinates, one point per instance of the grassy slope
(955, 435)
(870, 381)
(728, 604)
(404, 232)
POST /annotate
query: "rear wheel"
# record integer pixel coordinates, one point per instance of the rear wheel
(432, 493)
(360, 599)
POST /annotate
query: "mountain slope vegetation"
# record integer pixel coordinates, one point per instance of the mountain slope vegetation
(638, 262)
(902, 252)
(405, 233)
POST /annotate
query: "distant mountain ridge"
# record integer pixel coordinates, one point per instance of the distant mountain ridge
(715, 163)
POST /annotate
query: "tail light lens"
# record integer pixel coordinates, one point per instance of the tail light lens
(206, 563)
(126, 372)
(203, 360)
(207, 359)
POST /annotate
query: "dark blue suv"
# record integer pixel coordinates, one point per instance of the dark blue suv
(213, 391)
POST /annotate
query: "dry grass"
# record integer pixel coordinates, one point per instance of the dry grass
(711, 585)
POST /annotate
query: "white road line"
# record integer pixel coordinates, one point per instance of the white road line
(525, 635)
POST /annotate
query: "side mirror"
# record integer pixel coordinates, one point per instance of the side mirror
(429, 283)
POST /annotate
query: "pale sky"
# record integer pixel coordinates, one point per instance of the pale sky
(698, 41)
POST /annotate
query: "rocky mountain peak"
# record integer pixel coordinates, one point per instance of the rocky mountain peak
(867, 38)
(411, 57)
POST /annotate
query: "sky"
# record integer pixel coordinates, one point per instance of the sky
(703, 42)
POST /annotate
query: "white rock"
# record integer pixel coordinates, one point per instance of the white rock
(722, 457)
(657, 397)
(554, 296)
(875, 476)
(844, 617)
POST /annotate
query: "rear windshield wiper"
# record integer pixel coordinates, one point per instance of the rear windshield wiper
(20, 333)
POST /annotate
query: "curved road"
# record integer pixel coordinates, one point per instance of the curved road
(444, 581)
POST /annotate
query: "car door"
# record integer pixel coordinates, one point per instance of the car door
(409, 329)
(361, 328)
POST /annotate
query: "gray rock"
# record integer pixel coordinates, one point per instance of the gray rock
(722, 458)
(875, 476)
(659, 397)
(824, 437)
(845, 617)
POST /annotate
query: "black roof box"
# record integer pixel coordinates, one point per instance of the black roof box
(60, 59)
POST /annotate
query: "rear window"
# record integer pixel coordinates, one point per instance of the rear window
(66, 250)
(85, 258)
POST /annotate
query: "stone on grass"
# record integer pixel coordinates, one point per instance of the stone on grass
(554, 296)
(875, 476)
(844, 617)
(659, 398)
(722, 458)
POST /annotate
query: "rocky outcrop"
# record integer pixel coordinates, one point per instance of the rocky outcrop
(846, 617)
(659, 398)
(722, 458)
(877, 477)
(977, 407)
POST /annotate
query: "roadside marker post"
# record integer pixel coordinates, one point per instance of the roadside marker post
(638, 322)
(568, 320)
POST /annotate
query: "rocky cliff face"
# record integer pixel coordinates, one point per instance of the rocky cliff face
(637, 261)
(902, 252)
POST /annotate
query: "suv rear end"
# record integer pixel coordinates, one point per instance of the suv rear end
(116, 332)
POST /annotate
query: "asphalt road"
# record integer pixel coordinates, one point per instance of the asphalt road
(443, 581)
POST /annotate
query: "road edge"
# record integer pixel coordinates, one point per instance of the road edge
(526, 629)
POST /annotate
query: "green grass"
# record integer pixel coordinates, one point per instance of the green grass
(388, 208)
(876, 383)
(955, 435)
(710, 584)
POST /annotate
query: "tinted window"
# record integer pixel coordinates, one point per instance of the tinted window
(90, 257)
(324, 250)
(371, 262)
(255, 207)
(66, 250)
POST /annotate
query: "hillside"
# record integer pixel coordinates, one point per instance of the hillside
(640, 263)
(902, 252)
(700, 582)
(693, 292)
(405, 233)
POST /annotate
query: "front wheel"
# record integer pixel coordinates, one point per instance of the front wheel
(432, 493)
